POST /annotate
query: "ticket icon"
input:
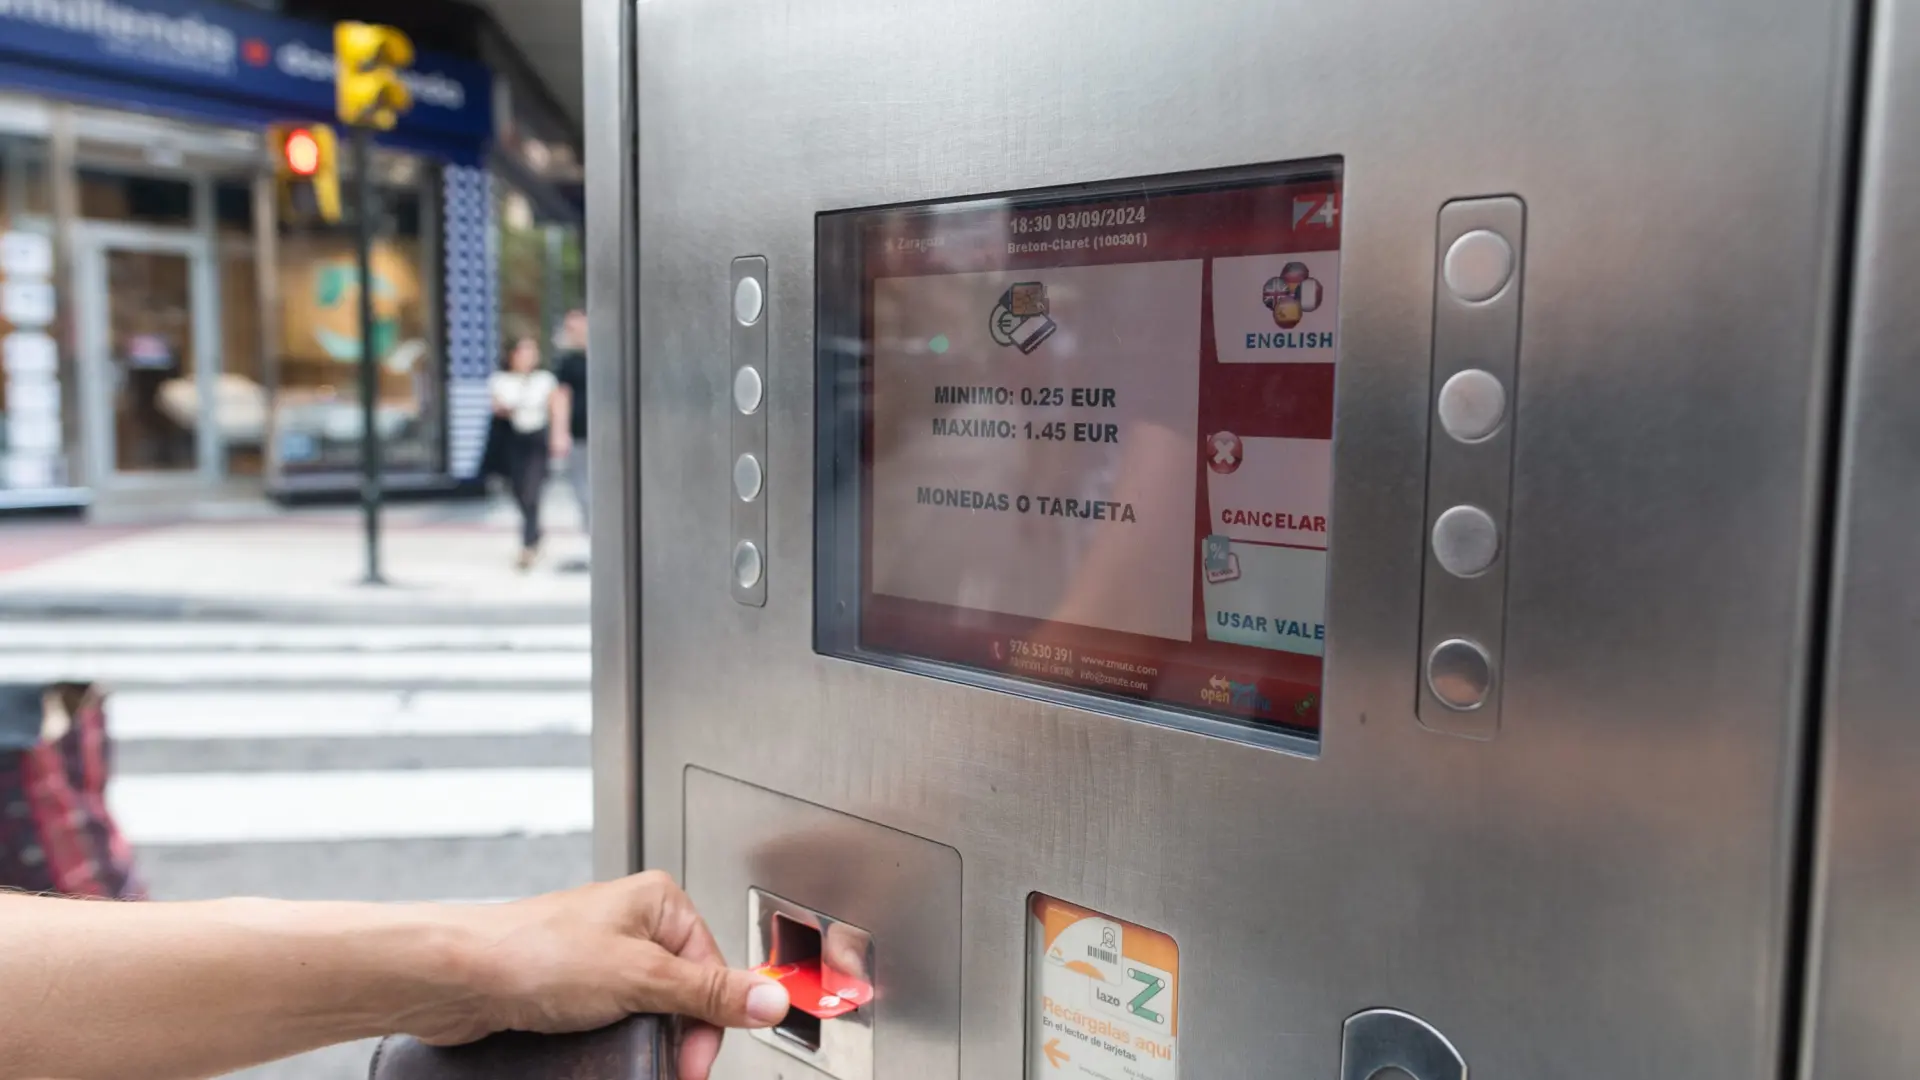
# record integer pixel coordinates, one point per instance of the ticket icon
(1021, 318)
(1027, 298)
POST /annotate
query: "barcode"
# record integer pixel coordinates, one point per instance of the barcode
(1103, 954)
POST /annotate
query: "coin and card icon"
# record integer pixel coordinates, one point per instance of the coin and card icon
(1022, 319)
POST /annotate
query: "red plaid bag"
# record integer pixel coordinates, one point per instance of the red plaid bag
(56, 834)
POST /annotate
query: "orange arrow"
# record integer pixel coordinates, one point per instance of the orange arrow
(1055, 1055)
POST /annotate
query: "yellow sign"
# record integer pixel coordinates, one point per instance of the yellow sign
(368, 62)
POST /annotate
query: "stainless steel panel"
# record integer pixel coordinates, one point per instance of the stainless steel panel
(902, 890)
(1865, 960)
(613, 446)
(1602, 891)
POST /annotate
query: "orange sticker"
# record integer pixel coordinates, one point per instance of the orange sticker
(1103, 996)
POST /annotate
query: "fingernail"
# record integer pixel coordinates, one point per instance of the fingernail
(767, 1003)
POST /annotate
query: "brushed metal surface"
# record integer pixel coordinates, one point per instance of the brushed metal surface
(1603, 891)
(612, 256)
(1865, 962)
(745, 842)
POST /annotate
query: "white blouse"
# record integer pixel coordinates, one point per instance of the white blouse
(524, 397)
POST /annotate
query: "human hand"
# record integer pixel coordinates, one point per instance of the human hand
(584, 958)
(559, 444)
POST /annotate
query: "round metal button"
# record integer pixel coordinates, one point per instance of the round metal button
(1472, 406)
(1478, 265)
(1465, 540)
(746, 477)
(1459, 673)
(747, 389)
(749, 299)
(746, 564)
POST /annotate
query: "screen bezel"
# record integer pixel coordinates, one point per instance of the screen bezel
(839, 417)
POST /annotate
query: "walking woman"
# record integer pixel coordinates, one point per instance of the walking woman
(523, 396)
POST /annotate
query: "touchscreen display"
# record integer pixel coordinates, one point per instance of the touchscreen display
(1094, 442)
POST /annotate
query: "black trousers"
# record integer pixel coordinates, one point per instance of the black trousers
(527, 453)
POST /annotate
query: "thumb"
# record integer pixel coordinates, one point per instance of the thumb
(718, 995)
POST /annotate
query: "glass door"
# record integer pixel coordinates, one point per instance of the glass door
(149, 357)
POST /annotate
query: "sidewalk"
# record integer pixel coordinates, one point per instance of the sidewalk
(445, 564)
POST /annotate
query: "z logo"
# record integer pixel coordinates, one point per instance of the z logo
(1150, 987)
(1318, 211)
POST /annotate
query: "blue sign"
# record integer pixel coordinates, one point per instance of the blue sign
(272, 64)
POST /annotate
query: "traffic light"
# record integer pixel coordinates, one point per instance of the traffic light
(302, 152)
(367, 61)
(308, 155)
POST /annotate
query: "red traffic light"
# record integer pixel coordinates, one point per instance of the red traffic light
(302, 152)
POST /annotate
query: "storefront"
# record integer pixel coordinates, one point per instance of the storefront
(170, 330)
(539, 192)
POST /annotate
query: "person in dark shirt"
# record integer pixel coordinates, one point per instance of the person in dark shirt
(570, 409)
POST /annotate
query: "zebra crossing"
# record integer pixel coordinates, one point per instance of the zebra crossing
(371, 762)
(244, 656)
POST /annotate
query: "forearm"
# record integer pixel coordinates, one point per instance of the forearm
(110, 990)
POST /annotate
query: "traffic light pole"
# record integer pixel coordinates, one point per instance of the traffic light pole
(369, 363)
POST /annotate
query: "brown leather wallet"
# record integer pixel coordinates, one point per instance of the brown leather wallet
(637, 1048)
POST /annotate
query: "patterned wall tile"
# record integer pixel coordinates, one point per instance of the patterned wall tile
(472, 305)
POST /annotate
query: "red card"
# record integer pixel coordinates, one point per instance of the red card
(820, 992)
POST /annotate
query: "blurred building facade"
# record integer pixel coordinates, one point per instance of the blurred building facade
(171, 330)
